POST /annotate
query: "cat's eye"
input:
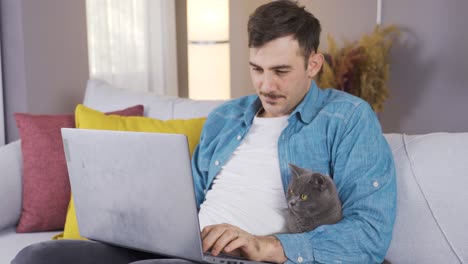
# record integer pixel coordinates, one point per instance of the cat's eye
(291, 192)
(303, 197)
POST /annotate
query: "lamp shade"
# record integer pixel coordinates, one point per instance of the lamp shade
(208, 20)
(208, 49)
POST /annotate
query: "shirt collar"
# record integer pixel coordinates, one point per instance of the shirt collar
(305, 111)
(309, 106)
(252, 111)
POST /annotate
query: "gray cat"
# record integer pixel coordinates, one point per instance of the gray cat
(312, 200)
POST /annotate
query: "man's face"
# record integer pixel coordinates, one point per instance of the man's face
(279, 75)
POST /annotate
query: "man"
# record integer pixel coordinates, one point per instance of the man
(327, 131)
(241, 163)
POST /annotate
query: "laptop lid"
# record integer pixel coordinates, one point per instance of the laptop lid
(134, 190)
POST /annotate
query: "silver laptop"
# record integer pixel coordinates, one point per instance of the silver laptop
(136, 190)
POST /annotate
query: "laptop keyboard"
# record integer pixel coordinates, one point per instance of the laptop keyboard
(224, 259)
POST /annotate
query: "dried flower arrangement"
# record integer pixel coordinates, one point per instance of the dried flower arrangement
(360, 68)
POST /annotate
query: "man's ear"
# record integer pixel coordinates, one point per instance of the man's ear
(314, 64)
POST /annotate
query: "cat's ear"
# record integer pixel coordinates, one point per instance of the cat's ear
(295, 170)
(319, 182)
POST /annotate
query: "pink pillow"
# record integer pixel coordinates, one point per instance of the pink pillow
(46, 187)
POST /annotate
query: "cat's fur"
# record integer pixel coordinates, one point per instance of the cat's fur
(322, 206)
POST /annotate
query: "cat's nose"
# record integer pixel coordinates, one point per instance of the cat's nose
(292, 203)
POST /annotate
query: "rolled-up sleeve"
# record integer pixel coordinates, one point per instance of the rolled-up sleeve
(364, 173)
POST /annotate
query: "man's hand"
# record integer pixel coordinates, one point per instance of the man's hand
(232, 240)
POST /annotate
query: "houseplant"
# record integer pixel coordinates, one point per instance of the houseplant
(361, 67)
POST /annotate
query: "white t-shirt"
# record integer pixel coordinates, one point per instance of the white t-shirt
(248, 191)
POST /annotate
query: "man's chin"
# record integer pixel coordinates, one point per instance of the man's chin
(273, 111)
(272, 101)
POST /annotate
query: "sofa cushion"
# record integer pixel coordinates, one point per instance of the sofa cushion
(103, 96)
(10, 184)
(432, 201)
(87, 118)
(11, 242)
(46, 188)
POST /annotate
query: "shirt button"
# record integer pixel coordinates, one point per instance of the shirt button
(375, 184)
(300, 259)
(216, 163)
(239, 137)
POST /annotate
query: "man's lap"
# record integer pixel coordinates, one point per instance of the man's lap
(84, 252)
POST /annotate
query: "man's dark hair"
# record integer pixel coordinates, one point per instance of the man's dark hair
(284, 18)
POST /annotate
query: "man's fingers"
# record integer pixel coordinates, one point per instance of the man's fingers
(205, 231)
(212, 236)
(235, 244)
(227, 236)
(247, 245)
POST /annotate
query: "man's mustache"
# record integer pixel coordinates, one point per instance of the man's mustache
(271, 95)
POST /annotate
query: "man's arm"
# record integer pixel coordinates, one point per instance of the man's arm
(363, 170)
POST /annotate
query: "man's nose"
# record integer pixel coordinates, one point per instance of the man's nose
(268, 83)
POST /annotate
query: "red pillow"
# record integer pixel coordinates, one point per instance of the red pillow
(46, 187)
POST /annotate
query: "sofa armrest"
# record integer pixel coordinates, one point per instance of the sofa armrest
(432, 207)
(11, 167)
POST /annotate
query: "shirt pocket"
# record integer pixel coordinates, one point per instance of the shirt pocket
(311, 154)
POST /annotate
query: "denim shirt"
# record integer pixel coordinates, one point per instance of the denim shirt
(330, 132)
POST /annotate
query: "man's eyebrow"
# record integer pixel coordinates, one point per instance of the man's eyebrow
(276, 67)
(254, 65)
(280, 67)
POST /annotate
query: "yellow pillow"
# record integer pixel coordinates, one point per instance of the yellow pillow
(88, 118)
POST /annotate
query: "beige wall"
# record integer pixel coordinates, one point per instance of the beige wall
(342, 21)
(2, 120)
(181, 36)
(45, 57)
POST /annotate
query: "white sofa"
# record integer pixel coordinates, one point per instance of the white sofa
(432, 178)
